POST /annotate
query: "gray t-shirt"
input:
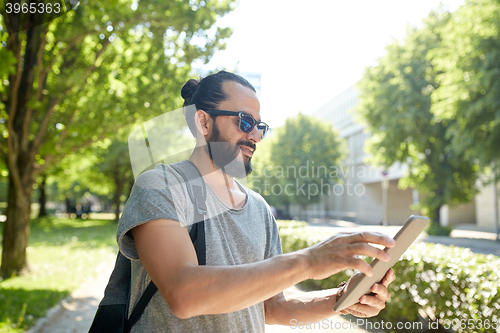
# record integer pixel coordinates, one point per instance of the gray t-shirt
(233, 237)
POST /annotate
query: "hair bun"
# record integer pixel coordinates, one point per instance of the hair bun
(188, 90)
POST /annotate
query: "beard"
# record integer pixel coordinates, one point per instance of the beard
(226, 155)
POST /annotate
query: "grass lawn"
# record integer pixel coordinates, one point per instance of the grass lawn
(62, 254)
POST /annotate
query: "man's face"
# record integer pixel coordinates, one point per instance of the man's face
(229, 143)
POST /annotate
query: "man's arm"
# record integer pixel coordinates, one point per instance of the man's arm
(295, 306)
(168, 256)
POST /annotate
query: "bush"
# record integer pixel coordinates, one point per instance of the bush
(444, 283)
(284, 224)
(435, 229)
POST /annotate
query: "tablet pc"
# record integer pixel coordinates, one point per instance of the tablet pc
(404, 238)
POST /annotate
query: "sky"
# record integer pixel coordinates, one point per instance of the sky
(309, 51)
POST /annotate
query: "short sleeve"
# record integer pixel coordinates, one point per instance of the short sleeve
(151, 199)
(274, 247)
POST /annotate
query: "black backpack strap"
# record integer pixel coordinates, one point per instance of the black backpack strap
(141, 305)
(112, 311)
(197, 191)
(151, 288)
(198, 194)
(120, 277)
(199, 229)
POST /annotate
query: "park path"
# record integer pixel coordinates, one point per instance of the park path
(75, 313)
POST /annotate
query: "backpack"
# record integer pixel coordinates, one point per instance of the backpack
(112, 313)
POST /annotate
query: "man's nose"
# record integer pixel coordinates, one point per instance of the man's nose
(254, 135)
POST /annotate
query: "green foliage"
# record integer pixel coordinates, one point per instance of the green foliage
(105, 167)
(395, 102)
(110, 65)
(63, 254)
(285, 224)
(442, 282)
(89, 75)
(469, 61)
(434, 229)
(95, 169)
(297, 161)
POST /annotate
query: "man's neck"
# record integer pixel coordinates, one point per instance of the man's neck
(214, 177)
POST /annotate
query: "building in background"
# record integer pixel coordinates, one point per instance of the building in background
(374, 196)
(254, 78)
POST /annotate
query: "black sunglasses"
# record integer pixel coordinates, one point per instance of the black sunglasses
(247, 122)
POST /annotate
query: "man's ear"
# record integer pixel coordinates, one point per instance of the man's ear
(202, 121)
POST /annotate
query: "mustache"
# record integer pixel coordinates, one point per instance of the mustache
(248, 144)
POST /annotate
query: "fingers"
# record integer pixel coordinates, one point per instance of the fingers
(369, 309)
(359, 264)
(340, 252)
(388, 278)
(366, 249)
(358, 244)
(370, 306)
(370, 237)
(380, 291)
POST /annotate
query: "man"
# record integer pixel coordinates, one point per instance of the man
(243, 282)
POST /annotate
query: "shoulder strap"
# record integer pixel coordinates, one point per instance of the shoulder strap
(198, 194)
(197, 191)
(118, 282)
(195, 184)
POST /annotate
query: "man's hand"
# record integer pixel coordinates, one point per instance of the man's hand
(370, 306)
(340, 252)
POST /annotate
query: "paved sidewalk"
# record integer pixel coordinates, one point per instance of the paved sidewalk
(479, 240)
(75, 314)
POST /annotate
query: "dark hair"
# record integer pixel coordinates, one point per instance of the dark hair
(208, 93)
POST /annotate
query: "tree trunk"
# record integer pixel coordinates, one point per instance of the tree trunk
(116, 200)
(132, 182)
(16, 230)
(437, 216)
(18, 150)
(42, 200)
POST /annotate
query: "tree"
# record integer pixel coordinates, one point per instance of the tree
(108, 171)
(42, 199)
(395, 102)
(105, 167)
(299, 163)
(86, 76)
(469, 59)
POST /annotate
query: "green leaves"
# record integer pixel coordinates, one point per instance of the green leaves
(469, 61)
(395, 101)
(297, 163)
(92, 74)
(105, 66)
